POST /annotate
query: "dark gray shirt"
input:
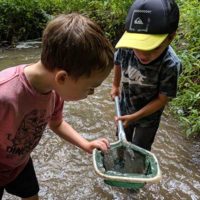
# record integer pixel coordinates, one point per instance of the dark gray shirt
(142, 83)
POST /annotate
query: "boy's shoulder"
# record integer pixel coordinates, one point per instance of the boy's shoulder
(122, 54)
(10, 73)
(11, 82)
(170, 54)
(171, 60)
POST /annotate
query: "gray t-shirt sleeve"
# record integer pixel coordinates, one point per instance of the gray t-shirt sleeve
(122, 56)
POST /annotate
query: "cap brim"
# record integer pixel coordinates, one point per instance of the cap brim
(140, 41)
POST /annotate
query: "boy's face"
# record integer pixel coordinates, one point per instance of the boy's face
(146, 57)
(73, 90)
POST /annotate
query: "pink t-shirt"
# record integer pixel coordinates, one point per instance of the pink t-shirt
(24, 114)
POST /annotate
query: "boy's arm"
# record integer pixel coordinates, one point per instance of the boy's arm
(116, 82)
(65, 131)
(150, 108)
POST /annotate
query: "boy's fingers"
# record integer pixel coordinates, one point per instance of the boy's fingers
(103, 144)
(119, 118)
(112, 96)
(106, 142)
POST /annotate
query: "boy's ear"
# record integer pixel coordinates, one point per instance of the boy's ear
(61, 76)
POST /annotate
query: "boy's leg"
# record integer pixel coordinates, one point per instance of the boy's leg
(129, 130)
(35, 197)
(144, 136)
(26, 184)
(1, 192)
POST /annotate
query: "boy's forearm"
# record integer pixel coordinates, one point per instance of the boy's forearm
(117, 76)
(151, 107)
(115, 91)
(65, 131)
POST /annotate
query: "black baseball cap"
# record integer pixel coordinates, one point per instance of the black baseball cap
(148, 23)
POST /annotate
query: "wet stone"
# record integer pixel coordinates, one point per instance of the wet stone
(124, 160)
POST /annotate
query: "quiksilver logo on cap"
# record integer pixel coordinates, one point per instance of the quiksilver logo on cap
(138, 21)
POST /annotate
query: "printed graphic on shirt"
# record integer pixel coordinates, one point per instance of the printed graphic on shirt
(28, 134)
(133, 76)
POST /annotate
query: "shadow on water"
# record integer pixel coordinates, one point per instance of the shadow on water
(66, 172)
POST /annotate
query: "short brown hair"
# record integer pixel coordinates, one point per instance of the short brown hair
(75, 44)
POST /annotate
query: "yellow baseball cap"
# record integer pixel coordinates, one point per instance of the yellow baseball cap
(148, 23)
(140, 41)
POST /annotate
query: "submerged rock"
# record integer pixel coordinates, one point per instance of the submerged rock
(108, 160)
(124, 160)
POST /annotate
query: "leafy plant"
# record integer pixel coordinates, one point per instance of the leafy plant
(21, 20)
(187, 44)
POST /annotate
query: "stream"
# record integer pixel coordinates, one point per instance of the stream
(65, 172)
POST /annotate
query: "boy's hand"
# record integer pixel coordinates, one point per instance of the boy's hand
(126, 119)
(115, 91)
(101, 144)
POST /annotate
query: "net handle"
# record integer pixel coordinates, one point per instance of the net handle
(121, 132)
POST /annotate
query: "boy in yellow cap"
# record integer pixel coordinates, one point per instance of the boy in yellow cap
(147, 67)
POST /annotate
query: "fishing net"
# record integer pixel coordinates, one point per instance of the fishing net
(126, 165)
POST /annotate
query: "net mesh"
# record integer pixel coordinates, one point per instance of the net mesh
(124, 160)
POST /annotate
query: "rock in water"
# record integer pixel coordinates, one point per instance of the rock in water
(129, 159)
(134, 162)
(124, 160)
(108, 161)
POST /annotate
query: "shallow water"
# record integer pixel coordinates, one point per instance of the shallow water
(66, 172)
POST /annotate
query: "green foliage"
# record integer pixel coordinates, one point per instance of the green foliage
(52, 7)
(187, 107)
(109, 14)
(187, 104)
(21, 20)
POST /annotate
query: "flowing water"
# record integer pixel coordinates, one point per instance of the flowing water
(66, 173)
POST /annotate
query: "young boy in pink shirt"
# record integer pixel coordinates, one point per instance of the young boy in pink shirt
(76, 57)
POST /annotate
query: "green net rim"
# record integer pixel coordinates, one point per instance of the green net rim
(153, 173)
